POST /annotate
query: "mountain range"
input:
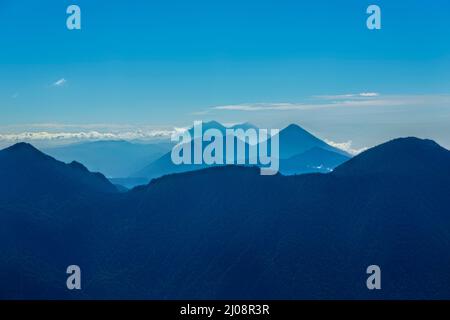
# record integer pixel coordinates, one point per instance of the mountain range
(115, 158)
(128, 164)
(228, 232)
(300, 152)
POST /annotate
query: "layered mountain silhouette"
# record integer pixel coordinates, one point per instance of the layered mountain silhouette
(26, 172)
(300, 152)
(295, 140)
(164, 165)
(230, 233)
(313, 160)
(115, 158)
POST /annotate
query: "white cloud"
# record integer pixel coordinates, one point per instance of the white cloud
(59, 83)
(369, 94)
(285, 106)
(364, 99)
(262, 107)
(346, 146)
(75, 126)
(200, 113)
(349, 96)
(86, 135)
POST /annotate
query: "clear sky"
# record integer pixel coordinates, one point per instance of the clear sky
(155, 65)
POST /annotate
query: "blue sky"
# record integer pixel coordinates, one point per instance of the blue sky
(153, 65)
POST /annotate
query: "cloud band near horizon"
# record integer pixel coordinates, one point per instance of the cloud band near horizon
(368, 99)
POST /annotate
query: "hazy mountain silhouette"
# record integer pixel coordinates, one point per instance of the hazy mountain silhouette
(312, 160)
(230, 233)
(164, 165)
(115, 159)
(217, 125)
(294, 142)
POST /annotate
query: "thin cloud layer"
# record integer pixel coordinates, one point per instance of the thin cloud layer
(350, 95)
(307, 106)
(59, 83)
(365, 99)
(89, 135)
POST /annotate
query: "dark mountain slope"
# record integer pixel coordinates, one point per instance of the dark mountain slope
(230, 233)
(402, 156)
(25, 172)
